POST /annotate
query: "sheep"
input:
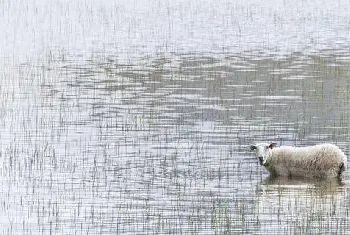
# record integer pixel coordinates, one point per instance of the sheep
(318, 161)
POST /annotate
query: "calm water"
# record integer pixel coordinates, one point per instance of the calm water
(134, 117)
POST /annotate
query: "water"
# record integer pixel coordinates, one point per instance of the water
(134, 117)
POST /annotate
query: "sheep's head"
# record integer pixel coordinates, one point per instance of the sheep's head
(262, 151)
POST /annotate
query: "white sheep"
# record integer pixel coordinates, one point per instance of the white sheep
(318, 161)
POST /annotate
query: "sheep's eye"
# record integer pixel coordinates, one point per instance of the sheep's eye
(267, 147)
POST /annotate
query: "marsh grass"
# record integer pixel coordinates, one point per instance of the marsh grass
(182, 168)
(122, 117)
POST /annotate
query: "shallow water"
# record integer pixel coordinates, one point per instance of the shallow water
(134, 117)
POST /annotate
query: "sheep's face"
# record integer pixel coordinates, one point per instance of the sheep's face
(262, 151)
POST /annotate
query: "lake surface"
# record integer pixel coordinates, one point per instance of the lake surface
(135, 117)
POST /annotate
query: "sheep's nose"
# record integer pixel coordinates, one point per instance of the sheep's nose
(261, 160)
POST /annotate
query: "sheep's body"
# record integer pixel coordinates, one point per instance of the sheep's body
(320, 161)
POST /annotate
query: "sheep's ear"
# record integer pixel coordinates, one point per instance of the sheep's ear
(272, 145)
(252, 147)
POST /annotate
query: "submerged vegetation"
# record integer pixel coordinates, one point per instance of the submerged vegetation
(122, 117)
(129, 151)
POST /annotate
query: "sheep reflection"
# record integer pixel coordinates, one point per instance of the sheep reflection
(301, 205)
